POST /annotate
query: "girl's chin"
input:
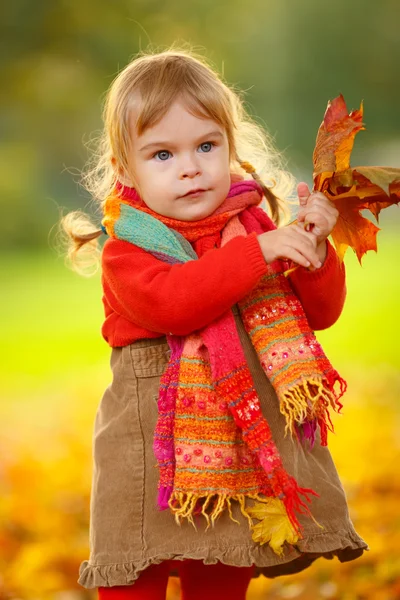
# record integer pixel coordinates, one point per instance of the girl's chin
(198, 216)
(197, 213)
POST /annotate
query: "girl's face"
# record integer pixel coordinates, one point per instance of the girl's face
(181, 165)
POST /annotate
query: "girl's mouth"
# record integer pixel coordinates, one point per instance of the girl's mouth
(194, 193)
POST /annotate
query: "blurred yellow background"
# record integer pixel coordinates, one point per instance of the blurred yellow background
(290, 57)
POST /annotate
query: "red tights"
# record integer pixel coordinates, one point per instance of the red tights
(198, 581)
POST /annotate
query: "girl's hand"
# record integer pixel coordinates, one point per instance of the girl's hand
(316, 210)
(292, 242)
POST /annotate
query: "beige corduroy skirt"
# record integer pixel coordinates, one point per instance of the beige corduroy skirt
(128, 532)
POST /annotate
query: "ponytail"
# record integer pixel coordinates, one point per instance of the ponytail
(276, 205)
(80, 242)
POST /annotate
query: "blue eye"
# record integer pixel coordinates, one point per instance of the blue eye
(162, 155)
(206, 147)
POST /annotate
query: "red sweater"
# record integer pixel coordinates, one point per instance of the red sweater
(147, 298)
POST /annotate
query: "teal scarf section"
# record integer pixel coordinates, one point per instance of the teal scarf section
(148, 233)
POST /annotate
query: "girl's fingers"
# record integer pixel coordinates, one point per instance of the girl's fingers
(327, 213)
(290, 243)
(322, 225)
(306, 247)
(322, 202)
(302, 257)
(296, 257)
(306, 235)
(303, 193)
(317, 207)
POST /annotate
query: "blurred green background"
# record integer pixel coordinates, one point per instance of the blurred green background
(58, 58)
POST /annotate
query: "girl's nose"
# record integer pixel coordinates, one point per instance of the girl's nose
(189, 169)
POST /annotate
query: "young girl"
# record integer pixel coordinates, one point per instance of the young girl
(210, 457)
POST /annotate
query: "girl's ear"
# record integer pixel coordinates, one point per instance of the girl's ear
(122, 176)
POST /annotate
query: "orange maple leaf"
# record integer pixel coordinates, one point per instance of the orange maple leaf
(351, 189)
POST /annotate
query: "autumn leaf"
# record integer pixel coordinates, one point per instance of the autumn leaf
(335, 137)
(351, 189)
(275, 527)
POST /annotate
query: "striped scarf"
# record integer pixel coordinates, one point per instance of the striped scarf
(212, 443)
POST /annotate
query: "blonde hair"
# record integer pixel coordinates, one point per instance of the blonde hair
(150, 84)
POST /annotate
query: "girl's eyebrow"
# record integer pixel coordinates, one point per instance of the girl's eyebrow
(166, 144)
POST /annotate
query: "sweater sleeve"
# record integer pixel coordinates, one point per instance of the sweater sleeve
(321, 292)
(182, 298)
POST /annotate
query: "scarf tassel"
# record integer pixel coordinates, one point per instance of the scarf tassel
(277, 521)
(306, 405)
(186, 505)
(294, 504)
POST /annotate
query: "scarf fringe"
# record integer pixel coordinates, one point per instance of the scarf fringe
(310, 400)
(277, 523)
(186, 505)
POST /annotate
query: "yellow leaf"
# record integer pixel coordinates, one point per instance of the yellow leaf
(275, 527)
